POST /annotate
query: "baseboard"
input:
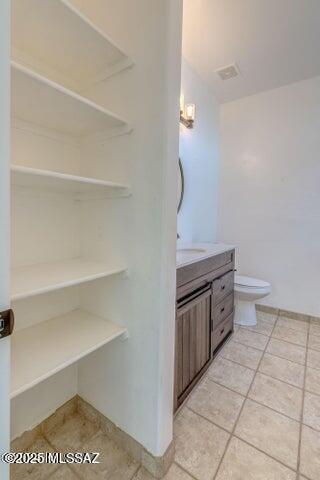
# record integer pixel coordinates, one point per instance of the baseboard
(267, 309)
(156, 466)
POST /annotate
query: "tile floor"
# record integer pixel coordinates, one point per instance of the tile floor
(254, 416)
(256, 413)
(77, 434)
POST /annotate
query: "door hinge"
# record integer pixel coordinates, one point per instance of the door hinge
(6, 323)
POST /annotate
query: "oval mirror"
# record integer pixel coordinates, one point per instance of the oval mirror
(180, 185)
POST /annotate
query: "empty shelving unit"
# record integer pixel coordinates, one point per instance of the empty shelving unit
(93, 164)
(57, 39)
(60, 214)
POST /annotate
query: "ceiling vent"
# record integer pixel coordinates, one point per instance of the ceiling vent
(230, 71)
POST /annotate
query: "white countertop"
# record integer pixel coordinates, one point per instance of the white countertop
(201, 251)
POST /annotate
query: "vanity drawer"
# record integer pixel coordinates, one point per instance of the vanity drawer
(220, 333)
(187, 273)
(222, 287)
(222, 310)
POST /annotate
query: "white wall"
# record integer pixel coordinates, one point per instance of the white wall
(131, 382)
(197, 219)
(4, 226)
(269, 201)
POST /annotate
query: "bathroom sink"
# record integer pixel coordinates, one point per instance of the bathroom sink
(190, 250)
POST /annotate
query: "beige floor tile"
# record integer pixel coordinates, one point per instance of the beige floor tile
(246, 356)
(313, 359)
(243, 462)
(278, 395)
(115, 463)
(72, 434)
(216, 403)
(298, 325)
(290, 335)
(33, 471)
(64, 473)
(295, 353)
(266, 317)
(314, 328)
(174, 473)
(282, 369)
(313, 380)
(251, 339)
(314, 342)
(199, 444)
(59, 416)
(311, 410)
(231, 375)
(310, 453)
(269, 431)
(263, 327)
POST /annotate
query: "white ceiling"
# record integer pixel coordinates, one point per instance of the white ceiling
(274, 42)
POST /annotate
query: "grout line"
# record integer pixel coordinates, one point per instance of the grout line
(302, 410)
(313, 349)
(243, 439)
(284, 358)
(247, 329)
(226, 387)
(279, 380)
(291, 343)
(233, 361)
(136, 471)
(246, 397)
(261, 372)
(241, 409)
(246, 345)
(184, 470)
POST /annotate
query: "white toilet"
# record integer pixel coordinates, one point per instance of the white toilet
(247, 291)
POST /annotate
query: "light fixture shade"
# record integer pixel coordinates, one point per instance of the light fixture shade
(190, 110)
(187, 112)
(182, 102)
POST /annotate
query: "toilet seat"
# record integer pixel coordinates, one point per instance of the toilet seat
(249, 282)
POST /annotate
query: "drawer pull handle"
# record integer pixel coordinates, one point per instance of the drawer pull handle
(222, 310)
(222, 331)
(223, 287)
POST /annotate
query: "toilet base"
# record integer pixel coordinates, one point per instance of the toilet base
(245, 313)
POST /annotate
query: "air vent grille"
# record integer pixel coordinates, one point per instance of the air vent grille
(227, 72)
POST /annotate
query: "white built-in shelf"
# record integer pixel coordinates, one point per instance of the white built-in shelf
(57, 38)
(46, 277)
(44, 349)
(38, 101)
(61, 182)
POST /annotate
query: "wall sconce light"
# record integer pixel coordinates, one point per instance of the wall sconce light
(187, 113)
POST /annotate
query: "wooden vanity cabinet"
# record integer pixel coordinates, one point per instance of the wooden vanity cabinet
(204, 318)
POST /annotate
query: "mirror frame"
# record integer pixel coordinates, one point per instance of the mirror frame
(182, 184)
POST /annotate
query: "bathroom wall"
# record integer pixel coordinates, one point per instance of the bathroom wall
(269, 198)
(197, 219)
(4, 224)
(130, 381)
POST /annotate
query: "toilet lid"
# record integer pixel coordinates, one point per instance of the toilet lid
(243, 281)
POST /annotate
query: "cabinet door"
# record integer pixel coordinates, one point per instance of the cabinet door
(193, 326)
